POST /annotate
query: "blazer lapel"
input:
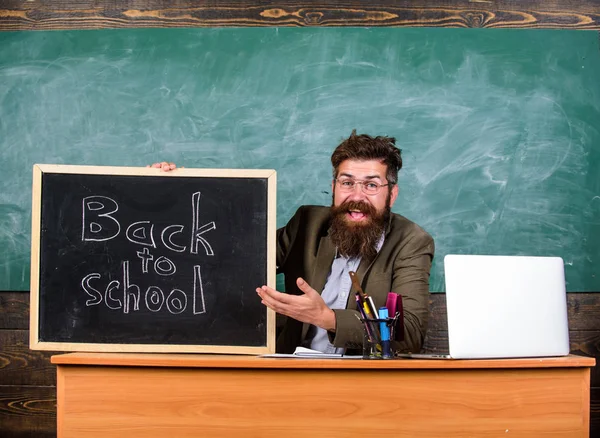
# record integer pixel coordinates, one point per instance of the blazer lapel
(363, 268)
(323, 261)
(366, 263)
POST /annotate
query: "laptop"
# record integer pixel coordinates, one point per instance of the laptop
(505, 307)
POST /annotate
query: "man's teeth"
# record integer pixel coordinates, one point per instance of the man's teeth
(356, 214)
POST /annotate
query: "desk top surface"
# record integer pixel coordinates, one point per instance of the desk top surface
(257, 362)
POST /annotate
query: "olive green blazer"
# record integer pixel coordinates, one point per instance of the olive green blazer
(305, 250)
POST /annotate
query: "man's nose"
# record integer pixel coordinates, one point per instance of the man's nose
(357, 192)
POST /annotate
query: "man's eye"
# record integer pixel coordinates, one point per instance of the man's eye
(371, 186)
(347, 183)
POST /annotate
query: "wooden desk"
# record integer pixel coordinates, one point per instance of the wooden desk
(175, 395)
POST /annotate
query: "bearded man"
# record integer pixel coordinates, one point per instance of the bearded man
(320, 245)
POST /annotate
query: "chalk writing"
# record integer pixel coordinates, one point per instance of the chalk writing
(100, 224)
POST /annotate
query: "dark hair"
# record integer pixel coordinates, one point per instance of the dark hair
(364, 147)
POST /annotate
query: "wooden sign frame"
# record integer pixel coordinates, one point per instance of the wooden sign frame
(38, 172)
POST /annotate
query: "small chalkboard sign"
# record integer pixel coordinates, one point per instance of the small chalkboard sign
(139, 260)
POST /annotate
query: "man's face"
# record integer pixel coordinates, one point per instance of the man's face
(358, 218)
(364, 171)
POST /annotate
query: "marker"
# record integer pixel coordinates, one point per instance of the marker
(385, 333)
(392, 305)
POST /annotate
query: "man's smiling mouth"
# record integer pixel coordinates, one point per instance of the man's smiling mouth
(356, 215)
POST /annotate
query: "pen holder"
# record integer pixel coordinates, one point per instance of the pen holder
(374, 347)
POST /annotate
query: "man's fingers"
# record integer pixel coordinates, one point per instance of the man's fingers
(267, 301)
(164, 166)
(273, 298)
(305, 287)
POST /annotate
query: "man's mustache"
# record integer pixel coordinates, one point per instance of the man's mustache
(363, 207)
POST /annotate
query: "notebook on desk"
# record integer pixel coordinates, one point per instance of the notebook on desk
(505, 307)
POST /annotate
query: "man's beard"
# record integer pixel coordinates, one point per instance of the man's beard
(357, 239)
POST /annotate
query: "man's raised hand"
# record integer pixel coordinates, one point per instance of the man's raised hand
(308, 307)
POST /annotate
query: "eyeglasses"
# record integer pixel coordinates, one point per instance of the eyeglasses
(368, 187)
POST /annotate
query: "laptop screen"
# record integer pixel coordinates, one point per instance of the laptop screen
(506, 306)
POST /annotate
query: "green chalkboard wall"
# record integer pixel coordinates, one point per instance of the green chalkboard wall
(500, 129)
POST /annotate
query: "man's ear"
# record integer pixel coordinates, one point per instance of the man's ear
(393, 195)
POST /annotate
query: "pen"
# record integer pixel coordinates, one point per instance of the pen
(367, 311)
(371, 324)
(366, 314)
(359, 306)
(369, 320)
(371, 305)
